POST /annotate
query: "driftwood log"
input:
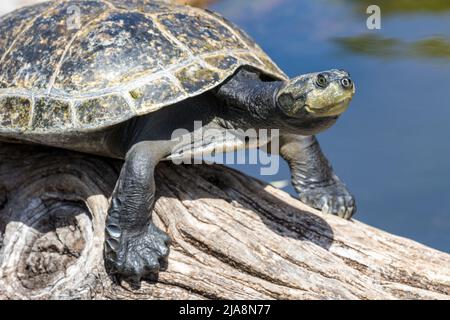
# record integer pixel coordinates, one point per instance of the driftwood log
(233, 237)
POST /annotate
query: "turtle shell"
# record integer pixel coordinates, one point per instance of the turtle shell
(86, 65)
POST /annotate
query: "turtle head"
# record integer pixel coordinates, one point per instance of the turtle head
(318, 95)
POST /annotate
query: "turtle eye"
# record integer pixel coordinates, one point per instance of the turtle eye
(321, 80)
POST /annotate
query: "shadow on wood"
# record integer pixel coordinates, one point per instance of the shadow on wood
(233, 237)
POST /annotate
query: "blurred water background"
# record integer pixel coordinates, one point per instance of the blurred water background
(392, 147)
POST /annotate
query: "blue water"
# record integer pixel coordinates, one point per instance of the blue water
(392, 147)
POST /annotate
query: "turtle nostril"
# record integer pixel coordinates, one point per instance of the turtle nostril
(346, 83)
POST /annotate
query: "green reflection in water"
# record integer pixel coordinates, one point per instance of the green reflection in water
(404, 6)
(432, 48)
(376, 45)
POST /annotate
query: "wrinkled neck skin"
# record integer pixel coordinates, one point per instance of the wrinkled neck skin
(248, 102)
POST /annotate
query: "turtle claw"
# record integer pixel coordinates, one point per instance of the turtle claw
(332, 199)
(138, 257)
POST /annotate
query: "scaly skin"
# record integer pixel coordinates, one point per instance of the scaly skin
(313, 177)
(135, 248)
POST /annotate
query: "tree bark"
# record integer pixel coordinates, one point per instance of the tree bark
(233, 237)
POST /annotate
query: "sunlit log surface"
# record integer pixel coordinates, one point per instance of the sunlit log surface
(233, 237)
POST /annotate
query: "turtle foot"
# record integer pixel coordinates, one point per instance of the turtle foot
(332, 199)
(138, 256)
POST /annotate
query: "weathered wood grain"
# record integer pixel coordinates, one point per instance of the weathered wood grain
(233, 237)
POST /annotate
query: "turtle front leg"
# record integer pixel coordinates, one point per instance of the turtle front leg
(135, 248)
(313, 177)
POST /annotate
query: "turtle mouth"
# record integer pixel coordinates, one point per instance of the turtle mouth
(334, 109)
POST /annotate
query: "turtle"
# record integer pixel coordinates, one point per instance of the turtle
(118, 78)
